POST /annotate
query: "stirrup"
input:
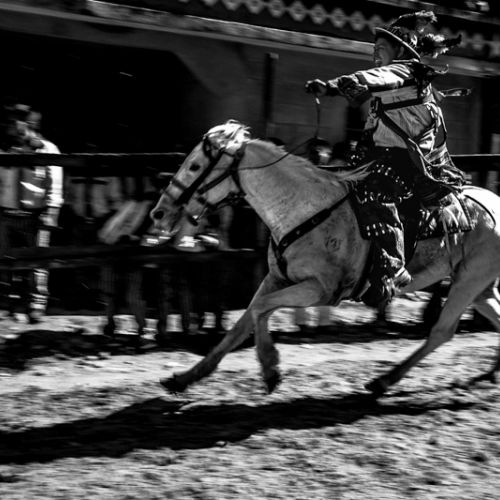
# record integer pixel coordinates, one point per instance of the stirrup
(402, 278)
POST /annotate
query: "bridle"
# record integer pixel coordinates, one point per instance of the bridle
(214, 152)
(211, 141)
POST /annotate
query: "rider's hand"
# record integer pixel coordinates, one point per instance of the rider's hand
(317, 87)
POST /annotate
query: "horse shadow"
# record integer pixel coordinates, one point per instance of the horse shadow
(17, 351)
(346, 333)
(31, 344)
(159, 424)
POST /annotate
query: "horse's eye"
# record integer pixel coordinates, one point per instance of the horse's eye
(194, 167)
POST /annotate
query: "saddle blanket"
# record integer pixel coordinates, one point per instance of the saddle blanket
(451, 218)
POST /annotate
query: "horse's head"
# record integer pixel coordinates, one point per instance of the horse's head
(205, 178)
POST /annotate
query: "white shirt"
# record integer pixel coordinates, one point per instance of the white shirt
(9, 178)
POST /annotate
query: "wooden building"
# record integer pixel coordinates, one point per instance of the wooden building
(153, 75)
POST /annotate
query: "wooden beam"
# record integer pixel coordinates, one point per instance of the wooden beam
(97, 164)
(104, 164)
(477, 162)
(99, 255)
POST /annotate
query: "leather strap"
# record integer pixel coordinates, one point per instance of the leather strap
(405, 104)
(300, 230)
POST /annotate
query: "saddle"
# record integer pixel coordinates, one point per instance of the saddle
(451, 215)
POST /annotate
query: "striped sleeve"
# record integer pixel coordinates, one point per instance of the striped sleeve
(390, 77)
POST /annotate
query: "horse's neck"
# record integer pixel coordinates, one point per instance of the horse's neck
(287, 193)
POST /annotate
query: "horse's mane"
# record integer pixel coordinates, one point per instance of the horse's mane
(233, 134)
(336, 177)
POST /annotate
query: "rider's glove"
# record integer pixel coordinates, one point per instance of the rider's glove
(319, 87)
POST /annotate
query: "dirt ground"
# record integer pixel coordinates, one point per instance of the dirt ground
(84, 417)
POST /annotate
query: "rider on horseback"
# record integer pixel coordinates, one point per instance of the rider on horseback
(404, 140)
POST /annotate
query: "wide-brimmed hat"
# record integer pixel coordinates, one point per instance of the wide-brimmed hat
(408, 31)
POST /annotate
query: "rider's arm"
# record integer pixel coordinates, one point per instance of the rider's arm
(360, 86)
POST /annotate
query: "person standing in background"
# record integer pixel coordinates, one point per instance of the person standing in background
(30, 200)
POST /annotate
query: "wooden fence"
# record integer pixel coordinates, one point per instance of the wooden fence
(152, 164)
(145, 164)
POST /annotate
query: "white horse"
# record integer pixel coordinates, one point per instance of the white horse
(322, 261)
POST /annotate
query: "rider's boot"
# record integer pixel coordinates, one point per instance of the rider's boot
(383, 289)
(402, 278)
(394, 284)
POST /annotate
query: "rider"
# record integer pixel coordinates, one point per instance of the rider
(403, 144)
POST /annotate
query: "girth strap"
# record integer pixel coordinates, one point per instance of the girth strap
(300, 230)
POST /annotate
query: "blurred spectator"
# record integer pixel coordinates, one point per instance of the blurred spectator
(90, 203)
(214, 229)
(478, 5)
(30, 199)
(124, 280)
(319, 151)
(341, 152)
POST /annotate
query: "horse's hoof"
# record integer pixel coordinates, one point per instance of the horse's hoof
(273, 381)
(377, 387)
(173, 384)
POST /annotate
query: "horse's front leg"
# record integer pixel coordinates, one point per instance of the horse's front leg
(241, 330)
(304, 294)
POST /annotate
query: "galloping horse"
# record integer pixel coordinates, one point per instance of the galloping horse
(317, 255)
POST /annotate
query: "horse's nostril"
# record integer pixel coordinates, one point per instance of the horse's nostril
(158, 214)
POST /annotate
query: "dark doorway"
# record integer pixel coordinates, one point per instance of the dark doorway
(94, 97)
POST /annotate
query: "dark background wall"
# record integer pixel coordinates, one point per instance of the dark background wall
(98, 97)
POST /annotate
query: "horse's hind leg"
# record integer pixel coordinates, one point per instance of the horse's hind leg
(470, 281)
(306, 293)
(488, 304)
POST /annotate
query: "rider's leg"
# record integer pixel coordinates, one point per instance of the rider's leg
(388, 238)
(382, 225)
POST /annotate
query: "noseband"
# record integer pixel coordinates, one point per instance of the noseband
(196, 188)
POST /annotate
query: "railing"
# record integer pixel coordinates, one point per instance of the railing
(103, 164)
(144, 164)
(141, 164)
(64, 257)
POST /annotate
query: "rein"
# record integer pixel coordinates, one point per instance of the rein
(189, 191)
(196, 187)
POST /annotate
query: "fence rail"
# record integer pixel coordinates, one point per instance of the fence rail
(98, 164)
(110, 164)
(90, 165)
(477, 162)
(94, 255)
(115, 164)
